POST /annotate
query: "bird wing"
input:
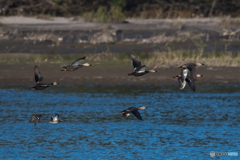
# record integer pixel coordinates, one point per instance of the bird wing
(184, 73)
(141, 70)
(32, 119)
(192, 69)
(37, 120)
(181, 84)
(190, 82)
(57, 115)
(136, 62)
(38, 76)
(76, 63)
(136, 113)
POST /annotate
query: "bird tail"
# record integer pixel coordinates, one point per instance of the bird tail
(55, 83)
(199, 75)
(152, 70)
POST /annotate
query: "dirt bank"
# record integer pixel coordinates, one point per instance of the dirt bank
(23, 74)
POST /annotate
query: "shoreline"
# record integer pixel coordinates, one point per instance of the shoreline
(99, 75)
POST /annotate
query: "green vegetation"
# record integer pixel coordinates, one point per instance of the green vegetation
(156, 59)
(104, 16)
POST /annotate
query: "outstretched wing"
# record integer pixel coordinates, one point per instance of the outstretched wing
(181, 84)
(190, 82)
(141, 70)
(136, 62)
(32, 119)
(37, 74)
(37, 120)
(136, 113)
(76, 63)
(57, 115)
(192, 69)
(184, 73)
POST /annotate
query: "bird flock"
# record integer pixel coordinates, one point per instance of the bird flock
(188, 76)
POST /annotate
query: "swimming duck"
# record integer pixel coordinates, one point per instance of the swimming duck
(139, 70)
(134, 111)
(188, 80)
(189, 67)
(55, 120)
(38, 79)
(37, 117)
(75, 65)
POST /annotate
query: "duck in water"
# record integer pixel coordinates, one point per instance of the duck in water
(55, 120)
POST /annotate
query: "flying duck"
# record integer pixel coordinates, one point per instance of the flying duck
(189, 67)
(134, 111)
(37, 117)
(38, 79)
(55, 120)
(139, 70)
(75, 65)
(188, 80)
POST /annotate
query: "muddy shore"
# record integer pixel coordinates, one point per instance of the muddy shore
(23, 74)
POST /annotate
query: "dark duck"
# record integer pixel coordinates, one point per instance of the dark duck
(134, 111)
(37, 117)
(76, 65)
(39, 81)
(139, 70)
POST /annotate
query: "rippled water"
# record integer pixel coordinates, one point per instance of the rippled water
(177, 124)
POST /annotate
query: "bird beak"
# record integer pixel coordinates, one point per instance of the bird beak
(180, 67)
(122, 112)
(64, 69)
(176, 77)
(33, 88)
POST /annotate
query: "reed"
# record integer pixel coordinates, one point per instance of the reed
(151, 59)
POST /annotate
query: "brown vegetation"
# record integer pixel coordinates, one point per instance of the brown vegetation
(157, 59)
(106, 10)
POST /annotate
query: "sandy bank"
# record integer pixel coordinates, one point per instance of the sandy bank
(23, 74)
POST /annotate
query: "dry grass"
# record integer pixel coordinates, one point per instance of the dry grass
(44, 16)
(173, 59)
(156, 59)
(102, 15)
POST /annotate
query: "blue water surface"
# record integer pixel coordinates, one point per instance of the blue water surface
(177, 124)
